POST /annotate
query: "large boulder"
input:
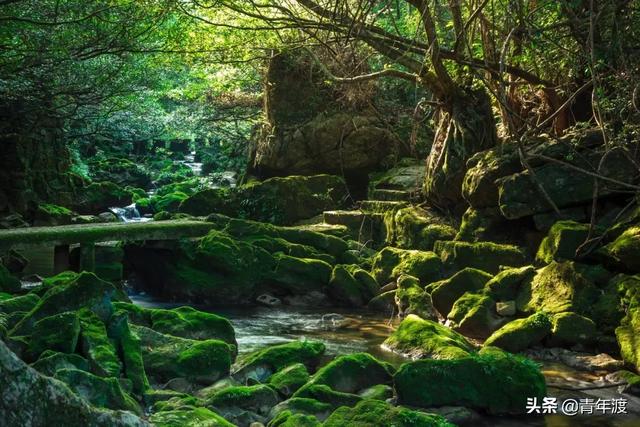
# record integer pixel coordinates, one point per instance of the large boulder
(29, 395)
(419, 338)
(562, 242)
(166, 357)
(411, 298)
(416, 228)
(352, 286)
(625, 250)
(628, 333)
(492, 381)
(243, 404)
(474, 315)
(58, 333)
(188, 417)
(520, 195)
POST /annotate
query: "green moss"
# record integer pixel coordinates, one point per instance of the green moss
(58, 333)
(350, 374)
(505, 285)
(445, 292)
(372, 413)
(628, 333)
(626, 249)
(19, 304)
(166, 357)
(410, 298)
(473, 315)
(485, 256)
(390, 263)
(416, 228)
(278, 357)
(306, 406)
(377, 392)
(287, 419)
(188, 417)
(288, 380)
(491, 381)
(556, 288)
(325, 394)
(102, 392)
(351, 286)
(300, 275)
(85, 290)
(480, 225)
(50, 362)
(258, 398)
(187, 322)
(424, 338)
(562, 242)
(96, 346)
(521, 334)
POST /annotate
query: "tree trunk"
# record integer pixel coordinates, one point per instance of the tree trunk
(464, 126)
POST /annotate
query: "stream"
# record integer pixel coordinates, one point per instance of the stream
(353, 331)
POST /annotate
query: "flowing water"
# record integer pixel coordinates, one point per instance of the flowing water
(354, 331)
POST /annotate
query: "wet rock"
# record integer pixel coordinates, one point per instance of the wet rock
(188, 417)
(419, 338)
(446, 292)
(410, 298)
(390, 263)
(55, 401)
(520, 334)
(631, 382)
(268, 300)
(376, 412)
(263, 363)
(587, 362)
(383, 303)
(492, 381)
(562, 242)
(485, 256)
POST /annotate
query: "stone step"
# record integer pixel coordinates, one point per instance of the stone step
(381, 206)
(391, 195)
(351, 219)
(336, 230)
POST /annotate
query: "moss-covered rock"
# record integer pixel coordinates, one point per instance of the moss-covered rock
(325, 394)
(625, 250)
(261, 364)
(628, 333)
(446, 292)
(559, 287)
(300, 275)
(257, 398)
(121, 171)
(100, 196)
(288, 380)
(350, 374)
(99, 350)
(71, 293)
(58, 333)
(390, 263)
(49, 399)
(521, 334)
(299, 405)
(420, 338)
(377, 392)
(570, 329)
(505, 285)
(128, 345)
(491, 381)
(288, 419)
(562, 242)
(102, 392)
(479, 188)
(8, 283)
(51, 361)
(372, 413)
(352, 286)
(416, 228)
(51, 215)
(23, 303)
(482, 225)
(474, 315)
(188, 417)
(187, 322)
(166, 357)
(485, 256)
(411, 298)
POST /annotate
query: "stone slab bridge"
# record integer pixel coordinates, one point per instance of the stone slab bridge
(87, 235)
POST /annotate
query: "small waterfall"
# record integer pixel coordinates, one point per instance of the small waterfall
(129, 214)
(189, 161)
